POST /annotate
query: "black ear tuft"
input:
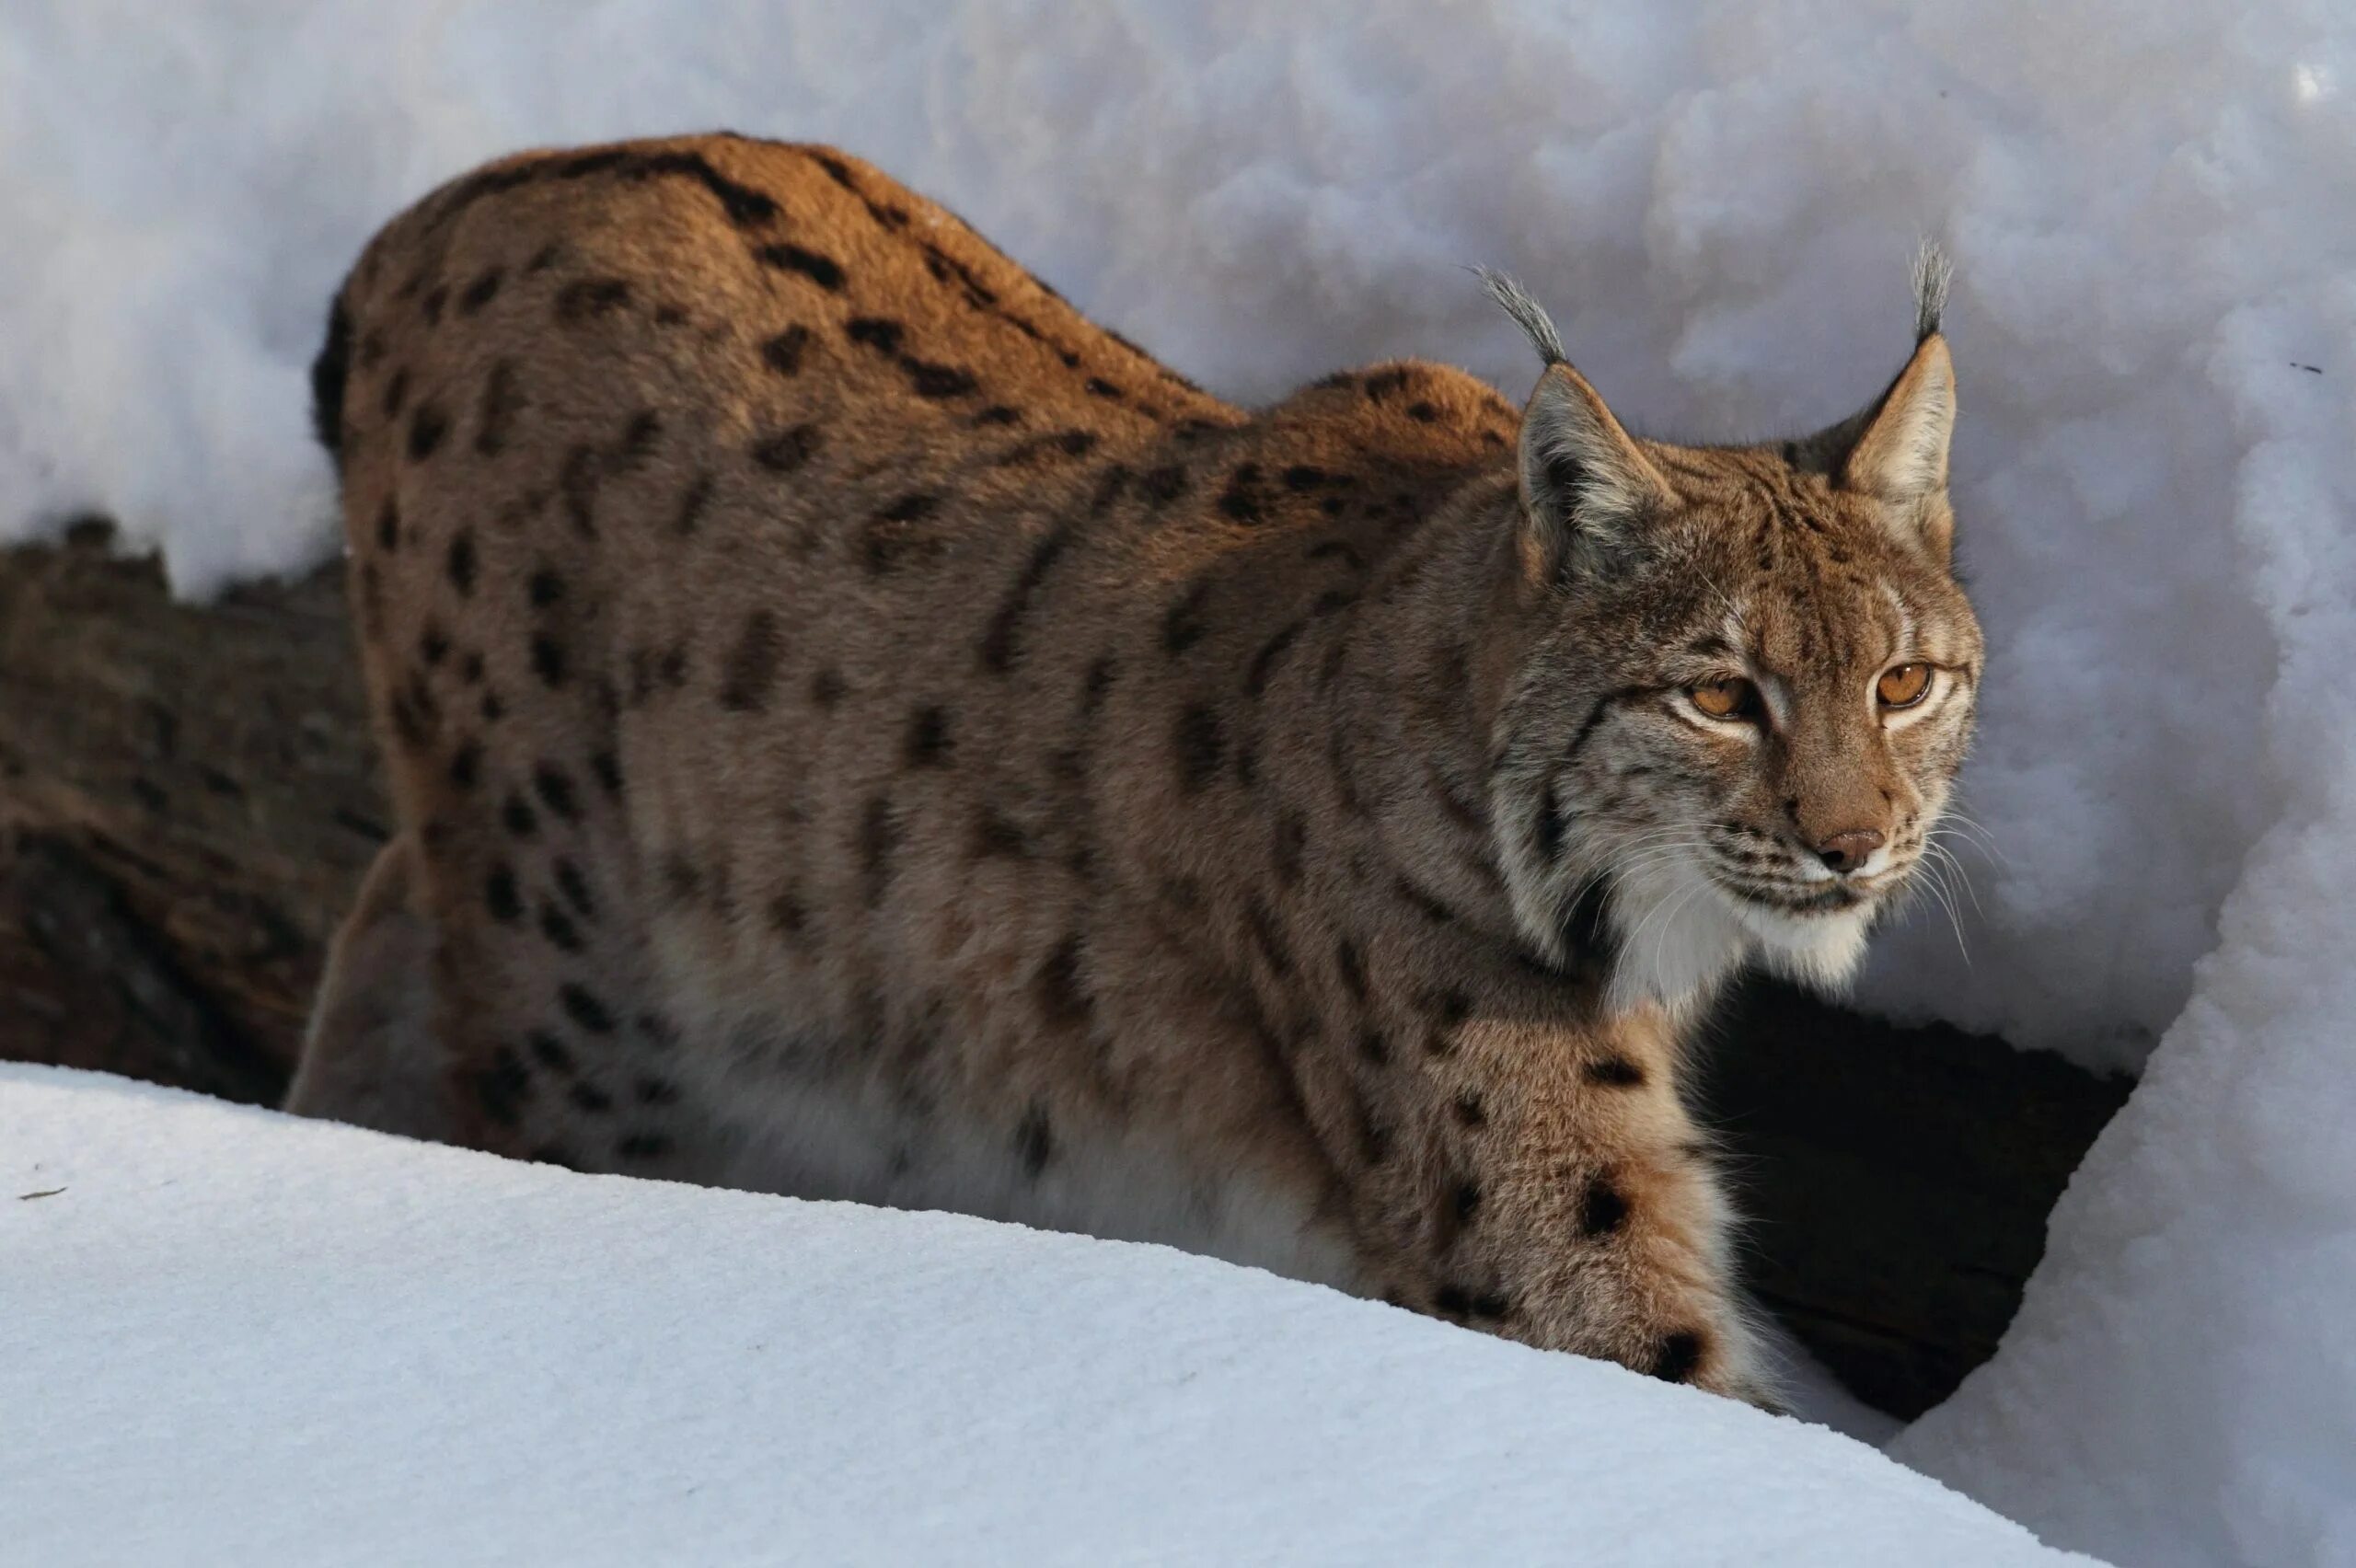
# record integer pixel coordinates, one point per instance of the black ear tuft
(1933, 273)
(1526, 312)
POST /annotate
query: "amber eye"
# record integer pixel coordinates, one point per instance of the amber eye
(1904, 685)
(1729, 696)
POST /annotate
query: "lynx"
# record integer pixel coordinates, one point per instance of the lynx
(860, 729)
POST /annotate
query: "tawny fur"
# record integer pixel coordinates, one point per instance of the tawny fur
(858, 729)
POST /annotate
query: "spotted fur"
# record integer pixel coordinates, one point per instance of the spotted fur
(858, 729)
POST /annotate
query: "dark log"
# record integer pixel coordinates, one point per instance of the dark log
(189, 795)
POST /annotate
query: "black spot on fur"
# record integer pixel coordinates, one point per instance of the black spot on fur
(388, 526)
(694, 501)
(1616, 1072)
(1267, 939)
(883, 335)
(641, 1146)
(1264, 662)
(938, 381)
(1350, 968)
(555, 787)
(1424, 903)
(1163, 485)
(1422, 412)
(582, 1008)
(466, 764)
(550, 1051)
(744, 205)
(518, 817)
(1100, 387)
(788, 449)
(827, 274)
(786, 913)
(1453, 1302)
(427, 426)
(995, 834)
(557, 927)
(591, 1099)
(502, 1088)
(750, 672)
(543, 588)
(495, 415)
(1469, 1111)
(1678, 1358)
(928, 741)
(784, 353)
(1241, 500)
(578, 479)
(1466, 1201)
(436, 300)
(1182, 626)
(481, 291)
(1000, 641)
(998, 414)
(827, 687)
(1200, 741)
(499, 895)
(548, 660)
(460, 561)
(1034, 1141)
(607, 770)
(1290, 841)
(585, 299)
(1602, 1208)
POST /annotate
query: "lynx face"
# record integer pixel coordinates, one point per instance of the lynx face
(1757, 693)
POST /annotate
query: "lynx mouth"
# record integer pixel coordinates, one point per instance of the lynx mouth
(1797, 900)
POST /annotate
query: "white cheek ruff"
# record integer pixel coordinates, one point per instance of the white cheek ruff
(1821, 951)
(1677, 937)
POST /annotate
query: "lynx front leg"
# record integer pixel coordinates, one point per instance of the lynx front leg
(1564, 1199)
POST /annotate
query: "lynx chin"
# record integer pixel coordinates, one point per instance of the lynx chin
(860, 729)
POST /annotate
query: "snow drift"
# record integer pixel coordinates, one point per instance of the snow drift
(229, 1336)
(2152, 211)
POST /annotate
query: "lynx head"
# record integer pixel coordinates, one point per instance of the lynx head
(1750, 681)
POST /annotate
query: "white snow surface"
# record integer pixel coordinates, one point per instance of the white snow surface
(2152, 211)
(229, 1336)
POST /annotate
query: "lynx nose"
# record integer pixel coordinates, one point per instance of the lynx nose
(1848, 849)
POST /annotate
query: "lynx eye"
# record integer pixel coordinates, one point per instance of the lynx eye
(1904, 685)
(1729, 696)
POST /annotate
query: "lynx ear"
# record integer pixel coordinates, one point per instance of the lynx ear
(1584, 479)
(1896, 448)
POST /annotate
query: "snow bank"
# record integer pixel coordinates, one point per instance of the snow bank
(1717, 201)
(228, 1336)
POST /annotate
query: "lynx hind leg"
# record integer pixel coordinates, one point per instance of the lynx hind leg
(370, 1056)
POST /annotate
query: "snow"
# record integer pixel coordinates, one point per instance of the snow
(2152, 211)
(230, 1336)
